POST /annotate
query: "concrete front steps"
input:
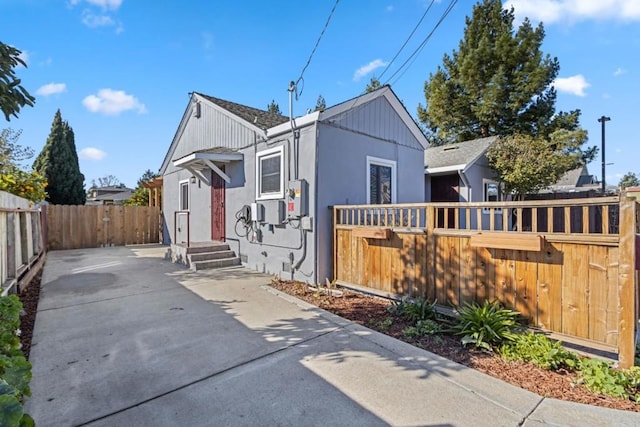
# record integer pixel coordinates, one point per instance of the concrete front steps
(205, 255)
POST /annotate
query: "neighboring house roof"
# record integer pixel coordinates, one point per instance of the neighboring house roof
(112, 189)
(261, 118)
(455, 157)
(121, 196)
(577, 179)
(110, 193)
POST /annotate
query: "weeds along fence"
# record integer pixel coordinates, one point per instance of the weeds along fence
(77, 227)
(21, 243)
(569, 266)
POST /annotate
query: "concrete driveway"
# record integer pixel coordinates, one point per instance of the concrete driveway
(125, 338)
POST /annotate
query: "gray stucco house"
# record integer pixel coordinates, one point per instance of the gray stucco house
(264, 183)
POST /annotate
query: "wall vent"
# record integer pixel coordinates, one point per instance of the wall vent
(286, 267)
(244, 259)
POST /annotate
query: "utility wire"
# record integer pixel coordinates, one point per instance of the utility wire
(317, 43)
(407, 40)
(417, 51)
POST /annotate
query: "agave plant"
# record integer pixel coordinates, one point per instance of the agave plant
(486, 325)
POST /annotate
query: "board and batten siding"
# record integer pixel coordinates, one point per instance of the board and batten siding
(342, 178)
(378, 118)
(212, 129)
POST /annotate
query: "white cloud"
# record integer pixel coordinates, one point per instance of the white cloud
(104, 4)
(94, 21)
(366, 69)
(390, 8)
(46, 62)
(51, 89)
(561, 11)
(574, 85)
(619, 71)
(112, 102)
(92, 153)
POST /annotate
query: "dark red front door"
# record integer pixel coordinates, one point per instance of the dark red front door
(217, 207)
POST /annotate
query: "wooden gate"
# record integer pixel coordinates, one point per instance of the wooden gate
(77, 227)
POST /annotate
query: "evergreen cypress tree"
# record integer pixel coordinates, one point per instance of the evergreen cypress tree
(498, 82)
(58, 162)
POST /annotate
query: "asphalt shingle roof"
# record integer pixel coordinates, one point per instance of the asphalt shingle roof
(578, 177)
(461, 153)
(261, 118)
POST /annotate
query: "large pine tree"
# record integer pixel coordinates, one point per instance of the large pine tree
(498, 82)
(58, 162)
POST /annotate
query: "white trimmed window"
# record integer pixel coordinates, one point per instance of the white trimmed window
(381, 181)
(270, 174)
(491, 193)
(184, 195)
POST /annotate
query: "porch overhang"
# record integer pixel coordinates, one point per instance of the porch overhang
(198, 162)
(442, 170)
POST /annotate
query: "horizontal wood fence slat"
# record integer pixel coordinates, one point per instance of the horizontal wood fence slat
(582, 283)
(77, 227)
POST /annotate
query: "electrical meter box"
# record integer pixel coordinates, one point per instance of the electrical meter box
(297, 198)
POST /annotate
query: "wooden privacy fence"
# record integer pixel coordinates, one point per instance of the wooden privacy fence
(567, 265)
(77, 226)
(21, 243)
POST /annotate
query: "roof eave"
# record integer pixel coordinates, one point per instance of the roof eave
(298, 123)
(444, 169)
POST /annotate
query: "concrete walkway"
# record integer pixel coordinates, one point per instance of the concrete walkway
(124, 338)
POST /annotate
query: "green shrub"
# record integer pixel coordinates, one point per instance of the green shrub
(485, 325)
(538, 349)
(413, 310)
(423, 327)
(600, 377)
(15, 370)
(384, 325)
(396, 308)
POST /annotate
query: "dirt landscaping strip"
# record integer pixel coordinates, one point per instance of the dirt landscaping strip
(371, 311)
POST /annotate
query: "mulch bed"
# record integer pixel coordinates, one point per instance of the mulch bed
(29, 297)
(372, 312)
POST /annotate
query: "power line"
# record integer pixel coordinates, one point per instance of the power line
(408, 38)
(417, 51)
(317, 43)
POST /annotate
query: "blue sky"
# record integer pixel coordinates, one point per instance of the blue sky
(121, 71)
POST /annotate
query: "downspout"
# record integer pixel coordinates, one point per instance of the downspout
(316, 209)
(465, 181)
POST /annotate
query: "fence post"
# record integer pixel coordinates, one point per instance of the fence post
(430, 223)
(44, 228)
(626, 283)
